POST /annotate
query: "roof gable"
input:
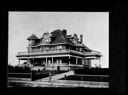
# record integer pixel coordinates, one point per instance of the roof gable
(46, 39)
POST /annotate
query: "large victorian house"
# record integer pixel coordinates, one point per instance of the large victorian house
(58, 49)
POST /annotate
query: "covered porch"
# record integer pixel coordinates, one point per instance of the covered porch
(52, 62)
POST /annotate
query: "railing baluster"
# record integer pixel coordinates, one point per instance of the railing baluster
(57, 51)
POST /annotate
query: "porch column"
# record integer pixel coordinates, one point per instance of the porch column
(82, 61)
(69, 63)
(89, 63)
(57, 61)
(27, 60)
(95, 62)
(33, 60)
(69, 59)
(52, 60)
(18, 61)
(99, 63)
(46, 61)
(76, 61)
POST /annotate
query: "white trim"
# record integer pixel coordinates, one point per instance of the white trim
(48, 44)
(52, 56)
(66, 55)
(90, 57)
(76, 56)
(55, 44)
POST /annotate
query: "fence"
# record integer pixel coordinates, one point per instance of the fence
(20, 75)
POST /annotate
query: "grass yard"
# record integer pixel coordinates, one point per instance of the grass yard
(86, 78)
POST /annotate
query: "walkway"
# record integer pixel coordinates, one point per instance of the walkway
(58, 76)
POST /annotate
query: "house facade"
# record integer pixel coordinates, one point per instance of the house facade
(58, 49)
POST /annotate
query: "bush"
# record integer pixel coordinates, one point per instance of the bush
(38, 75)
(20, 75)
(17, 69)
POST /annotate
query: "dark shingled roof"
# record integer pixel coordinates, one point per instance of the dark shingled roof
(32, 37)
(59, 37)
(86, 47)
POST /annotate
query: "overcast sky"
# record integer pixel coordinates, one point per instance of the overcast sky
(93, 25)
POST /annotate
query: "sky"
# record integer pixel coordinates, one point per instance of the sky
(94, 26)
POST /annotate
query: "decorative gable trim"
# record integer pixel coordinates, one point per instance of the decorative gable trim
(45, 39)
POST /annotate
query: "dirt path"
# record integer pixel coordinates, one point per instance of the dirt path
(58, 76)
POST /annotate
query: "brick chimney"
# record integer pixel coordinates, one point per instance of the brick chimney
(65, 31)
(81, 39)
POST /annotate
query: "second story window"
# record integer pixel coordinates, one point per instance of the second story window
(81, 49)
(59, 47)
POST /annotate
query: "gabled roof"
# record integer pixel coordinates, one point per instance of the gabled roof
(33, 37)
(45, 34)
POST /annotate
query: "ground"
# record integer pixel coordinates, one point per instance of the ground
(56, 82)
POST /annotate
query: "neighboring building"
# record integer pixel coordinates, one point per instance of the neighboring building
(58, 49)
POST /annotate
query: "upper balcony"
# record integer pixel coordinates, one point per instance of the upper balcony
(43, 52)
(57, 51)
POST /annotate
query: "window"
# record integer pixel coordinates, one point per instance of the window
(80, 49)
(59, 47)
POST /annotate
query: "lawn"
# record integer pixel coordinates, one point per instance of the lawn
(86, 78)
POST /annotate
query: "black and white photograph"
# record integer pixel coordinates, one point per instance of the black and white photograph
(58, 49)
